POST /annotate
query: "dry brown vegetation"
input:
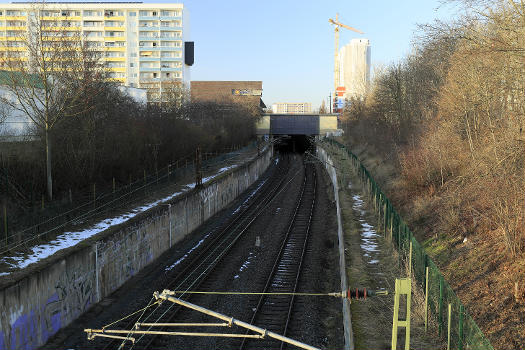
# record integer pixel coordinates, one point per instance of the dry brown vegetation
(450, 118)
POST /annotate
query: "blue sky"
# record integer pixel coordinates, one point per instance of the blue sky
(289, 44)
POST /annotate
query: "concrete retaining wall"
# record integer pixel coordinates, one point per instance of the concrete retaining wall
(37, 302)
(347, 317)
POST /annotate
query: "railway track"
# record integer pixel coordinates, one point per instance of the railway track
(273, 312)
(196, 268)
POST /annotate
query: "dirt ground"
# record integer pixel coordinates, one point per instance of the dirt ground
(372, 262)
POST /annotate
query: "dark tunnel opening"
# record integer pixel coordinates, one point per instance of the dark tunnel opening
(294, 143)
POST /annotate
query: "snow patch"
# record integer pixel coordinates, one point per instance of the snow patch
(368, 234)
(169, 268)
(249, 197)
(70, 239)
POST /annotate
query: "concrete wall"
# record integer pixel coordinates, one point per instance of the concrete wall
(347, 317)
(37, 302)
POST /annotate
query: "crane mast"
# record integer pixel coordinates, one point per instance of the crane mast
(337, 24)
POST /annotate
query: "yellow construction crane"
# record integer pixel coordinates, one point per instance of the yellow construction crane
(337, 24)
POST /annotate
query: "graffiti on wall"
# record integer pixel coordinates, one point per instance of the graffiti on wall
(72, 295)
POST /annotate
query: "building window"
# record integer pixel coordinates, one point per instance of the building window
(154, 13)
(143, 13)
(154, 75)
(132, 14)
(131, 64)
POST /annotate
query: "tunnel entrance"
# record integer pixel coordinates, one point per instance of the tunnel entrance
(294, 143)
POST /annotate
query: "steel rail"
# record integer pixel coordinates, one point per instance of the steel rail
(191, 263)
(288, 243)
(192, 276)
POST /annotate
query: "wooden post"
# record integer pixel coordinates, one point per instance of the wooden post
(113, 184)
(43, 206)
(70, 197)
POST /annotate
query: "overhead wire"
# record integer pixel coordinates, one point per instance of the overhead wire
(215, 260)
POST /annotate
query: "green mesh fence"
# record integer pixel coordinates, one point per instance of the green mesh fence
(464, 332)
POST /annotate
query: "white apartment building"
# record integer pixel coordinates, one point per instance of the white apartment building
(355, 60)
(142, 45)
(292, 108)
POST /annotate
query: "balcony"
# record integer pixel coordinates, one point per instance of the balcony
(114, 59)
(171, 59)
(167, 38)
(148, 58)
(170, 18)
(170, 69)
(148, 38)
(148, 28)
(149, 69)
(170, 28)
(150, 48)
(115, 29)
(114, 38)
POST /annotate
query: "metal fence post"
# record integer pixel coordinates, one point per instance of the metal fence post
(460, 330)
(410, 261)
(426, 298)
(448, 325)
(440, 305)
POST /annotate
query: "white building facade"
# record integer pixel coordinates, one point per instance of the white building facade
(355, 61)
(292, 108)
(142, 45)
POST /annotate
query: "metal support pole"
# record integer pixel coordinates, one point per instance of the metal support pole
(96, 271)
(169, 213)
(5, 225)
(165, 295)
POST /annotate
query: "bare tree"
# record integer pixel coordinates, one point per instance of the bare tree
(52, 74)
